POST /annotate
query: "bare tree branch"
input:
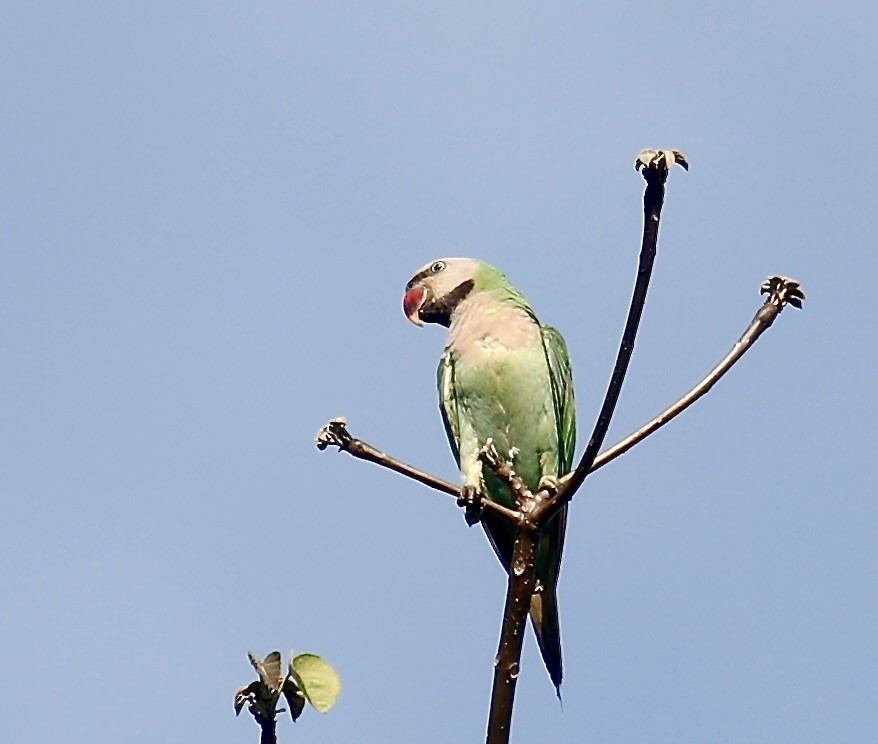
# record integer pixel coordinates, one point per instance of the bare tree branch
(534, 510)
(654, 165)
(335, 434)
(781, 291)
(507, 664)
(269, 731)
(520, 587)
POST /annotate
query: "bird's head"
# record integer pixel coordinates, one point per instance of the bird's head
(434, 292)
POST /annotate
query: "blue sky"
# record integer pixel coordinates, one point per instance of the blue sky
(208, 213)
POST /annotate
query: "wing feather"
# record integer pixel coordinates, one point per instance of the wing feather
(448, 402)
(561, 379)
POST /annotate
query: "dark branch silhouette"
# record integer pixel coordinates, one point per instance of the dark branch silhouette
(781, 291)
(534, 510)
(335, 434)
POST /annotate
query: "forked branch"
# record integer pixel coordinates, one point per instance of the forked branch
(782, 291)
(654, 165)
(534, 510)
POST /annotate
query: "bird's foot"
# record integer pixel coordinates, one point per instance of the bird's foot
(490, 454)
(550, 484)
(471, 501)
(503, 469)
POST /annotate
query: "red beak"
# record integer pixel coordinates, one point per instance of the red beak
(412, 303)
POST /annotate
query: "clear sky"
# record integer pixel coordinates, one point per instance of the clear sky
(208, 213)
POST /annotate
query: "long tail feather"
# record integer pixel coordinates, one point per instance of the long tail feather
(544, 616)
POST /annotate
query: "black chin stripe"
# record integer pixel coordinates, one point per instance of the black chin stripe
(440, 310)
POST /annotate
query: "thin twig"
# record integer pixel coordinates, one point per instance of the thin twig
(537, 511)
(782, 291)
(335, 434)
(654, 165)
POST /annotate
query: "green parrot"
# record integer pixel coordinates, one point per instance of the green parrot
(504, 376)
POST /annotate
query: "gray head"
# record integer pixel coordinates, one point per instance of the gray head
(434, 292)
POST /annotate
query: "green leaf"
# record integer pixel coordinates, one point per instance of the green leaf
(317, 679)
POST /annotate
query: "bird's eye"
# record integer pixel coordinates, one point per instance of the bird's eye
(437, 267)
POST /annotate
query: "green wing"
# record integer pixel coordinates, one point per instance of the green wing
(448, 403)
(561, 379)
